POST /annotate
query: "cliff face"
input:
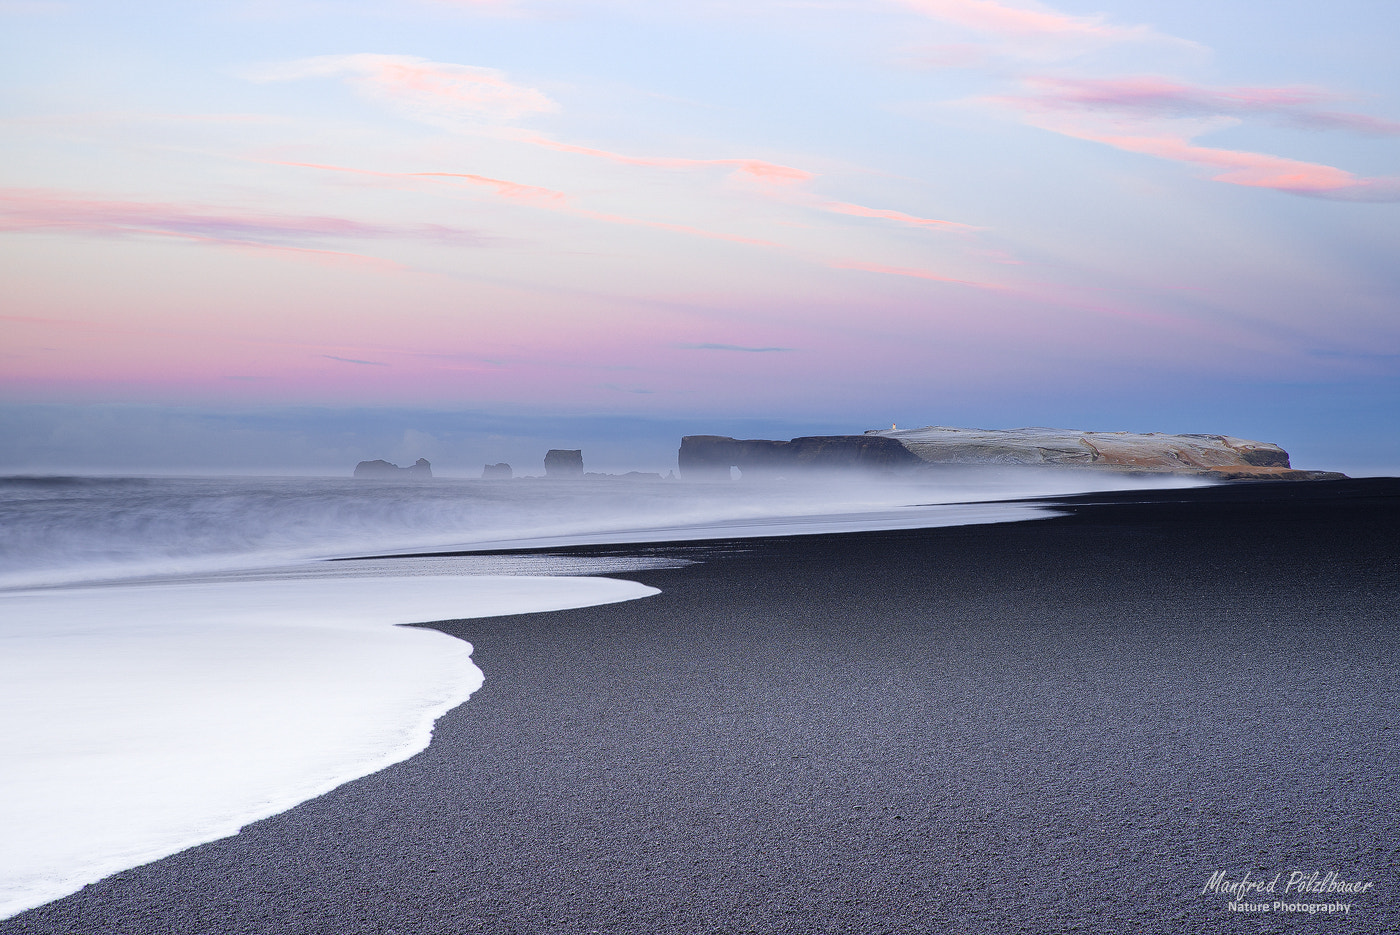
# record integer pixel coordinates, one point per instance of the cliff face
(711, 456)
(563, 462)
(1222, 456)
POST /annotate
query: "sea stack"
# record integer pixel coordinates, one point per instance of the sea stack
(384, 470)
(501, 471)
(563, 462)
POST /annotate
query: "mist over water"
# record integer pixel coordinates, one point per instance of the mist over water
(179, 661)
(73, 529)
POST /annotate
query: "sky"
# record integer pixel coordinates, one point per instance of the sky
(255, 235)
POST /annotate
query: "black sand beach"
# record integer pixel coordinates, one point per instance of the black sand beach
(1062, 725)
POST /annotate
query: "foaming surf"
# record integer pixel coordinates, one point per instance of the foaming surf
(56, 531)
(142, 720)
(181, 659)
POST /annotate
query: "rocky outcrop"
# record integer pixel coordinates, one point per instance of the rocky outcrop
(500, 471)
(1221, 456)
(383, 470)
(563, 462)
(709, 457)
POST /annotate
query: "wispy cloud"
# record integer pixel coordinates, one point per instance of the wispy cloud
(999, 19)
(457, 96)
(1027, 30)
(534, 196)
(770, 178)
(351, 360)
(731, 347)
(1162, 118)
(512, 191)
(861, 211)
(431, 91)
(553, 200)
(1151, 96)
(756, 169)
(422, 89)
(1256, 170)
(43, 210)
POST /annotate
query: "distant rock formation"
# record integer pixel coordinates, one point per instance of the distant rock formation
(563, 462)
(1220, 456)
(383, 470)
(500, 471)
(709, 457)
(1224, 457)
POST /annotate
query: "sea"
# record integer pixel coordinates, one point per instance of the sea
(185, 655)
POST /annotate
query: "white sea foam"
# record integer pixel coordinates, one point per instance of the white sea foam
(142, 720)
(224, 673)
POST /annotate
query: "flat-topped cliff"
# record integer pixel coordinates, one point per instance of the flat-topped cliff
(1217, 456)
(1222, 455)
(711, 456)
(385, 470)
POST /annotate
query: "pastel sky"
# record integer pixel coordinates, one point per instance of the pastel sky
(697, 216)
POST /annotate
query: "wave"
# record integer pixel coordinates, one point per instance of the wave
(63, 530)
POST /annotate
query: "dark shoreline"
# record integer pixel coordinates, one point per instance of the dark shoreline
(1057, 725)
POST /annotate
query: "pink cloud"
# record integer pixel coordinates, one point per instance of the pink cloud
(1154, 96)
(758, 169)
(1241, 168)
(553, 200)
(1256, 170)
(431, 89)
(546, 198)
(514, 191)
(861, 211)
(1027, 21)
(40, 210)
(427, 90)
(774, 180)
(1158, 117)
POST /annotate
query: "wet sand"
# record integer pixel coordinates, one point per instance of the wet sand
(1059, 725)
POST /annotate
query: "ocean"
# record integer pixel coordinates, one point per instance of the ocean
(185, 655)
